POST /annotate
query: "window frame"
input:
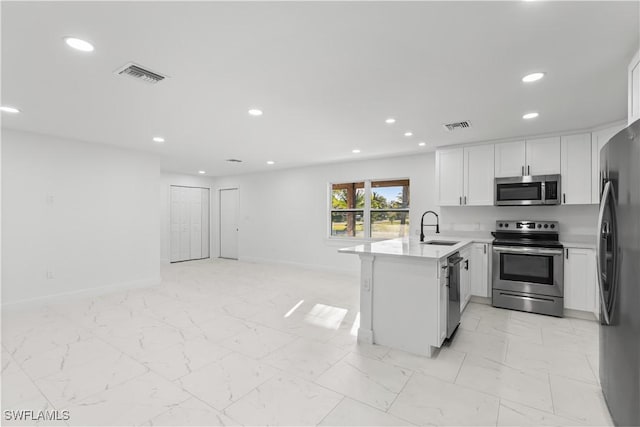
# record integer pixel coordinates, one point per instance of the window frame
(366, 210)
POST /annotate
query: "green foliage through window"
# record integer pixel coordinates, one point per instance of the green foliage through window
(387, 216)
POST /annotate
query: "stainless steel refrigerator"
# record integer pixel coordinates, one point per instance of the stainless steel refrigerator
(618, 262)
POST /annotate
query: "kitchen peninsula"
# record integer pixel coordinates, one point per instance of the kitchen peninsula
(403, 292)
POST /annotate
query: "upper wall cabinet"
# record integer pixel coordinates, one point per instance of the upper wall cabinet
(449, 176)
(531, 157)
(543, 156)
(575, 155)
(598, 140)
(510, 159)
(634, 89)
(478, 175)
(465, 176)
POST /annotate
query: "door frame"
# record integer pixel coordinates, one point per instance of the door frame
(209, 223)
(219, 190)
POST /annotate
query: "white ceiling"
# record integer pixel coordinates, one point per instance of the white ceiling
(326, 74)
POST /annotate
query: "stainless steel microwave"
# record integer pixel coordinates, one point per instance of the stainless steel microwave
(527, 190)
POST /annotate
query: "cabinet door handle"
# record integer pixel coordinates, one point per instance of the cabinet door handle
(567, 253)
(465, 200)
(460, 201)
(522, 170)
(564, 198)
(484, 248)
(528, 170)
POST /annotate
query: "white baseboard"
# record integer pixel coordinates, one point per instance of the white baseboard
(579, 314)
(481, 300)
(318, 267)
(82, 293)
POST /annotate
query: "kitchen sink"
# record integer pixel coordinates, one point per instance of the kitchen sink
(440, 242)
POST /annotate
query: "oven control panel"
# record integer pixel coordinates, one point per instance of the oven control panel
(527, 226)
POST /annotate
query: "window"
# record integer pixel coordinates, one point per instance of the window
(370, 209)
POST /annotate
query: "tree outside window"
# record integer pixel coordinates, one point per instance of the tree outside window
(370, 209)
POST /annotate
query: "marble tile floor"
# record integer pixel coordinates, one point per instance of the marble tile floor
(222, 342)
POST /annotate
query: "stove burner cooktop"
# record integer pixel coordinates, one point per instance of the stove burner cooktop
(541, 234)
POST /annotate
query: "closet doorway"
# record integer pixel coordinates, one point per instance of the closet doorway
(189, 218)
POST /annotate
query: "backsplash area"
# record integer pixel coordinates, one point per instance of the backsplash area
(573, 219)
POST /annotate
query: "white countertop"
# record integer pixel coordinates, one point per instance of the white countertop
(578, 241)
(408, 247)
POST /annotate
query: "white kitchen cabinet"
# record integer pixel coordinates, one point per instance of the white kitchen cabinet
(634, 89)
(449, 176)
(478, 175)
(580, 291)
(509, 159)
(465, 277)
(598, 140)
(575, 155)
(543, 156)
(465, 176)
(479, 270)
(539, 156)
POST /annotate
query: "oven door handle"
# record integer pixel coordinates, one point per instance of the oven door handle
(517, 250)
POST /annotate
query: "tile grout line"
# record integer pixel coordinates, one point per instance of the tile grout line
(553, 405)
(331, 410)
(464, 358)
(401, 390)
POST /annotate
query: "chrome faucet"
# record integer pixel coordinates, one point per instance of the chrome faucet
(422, 224)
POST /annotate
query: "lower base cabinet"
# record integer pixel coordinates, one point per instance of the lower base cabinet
(465, 276)
(580, 287)
(479, 270)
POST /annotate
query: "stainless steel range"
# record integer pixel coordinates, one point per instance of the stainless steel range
(528, 269)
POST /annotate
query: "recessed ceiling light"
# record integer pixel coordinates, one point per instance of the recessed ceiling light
(255, 112)
(356, 151)
(79, 44)
(9, 109)
(270, 162)
(408, 134)
(390, 121)
(422, 144)
(530, 116)
(158, 139)
(202, 172)
(533, 77)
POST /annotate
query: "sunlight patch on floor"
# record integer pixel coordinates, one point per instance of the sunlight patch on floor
(326, 316)
(294, 308)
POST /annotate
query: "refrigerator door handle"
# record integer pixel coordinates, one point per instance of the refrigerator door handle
(606, 193)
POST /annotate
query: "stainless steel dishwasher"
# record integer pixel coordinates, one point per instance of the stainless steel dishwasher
(453, 283)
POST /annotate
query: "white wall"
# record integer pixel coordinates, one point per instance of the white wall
(284, 214)
(86, 212)
(168, 179)
(575, 220)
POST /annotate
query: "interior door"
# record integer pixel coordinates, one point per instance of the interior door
(176, 225)
(206, 219)
(194, 198)
(189, 223)
(229, 209)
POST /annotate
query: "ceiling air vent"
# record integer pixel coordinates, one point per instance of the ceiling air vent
(139, 73)
(234, 160)
(458, 125)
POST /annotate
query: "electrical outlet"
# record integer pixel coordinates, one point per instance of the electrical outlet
(50, 274)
